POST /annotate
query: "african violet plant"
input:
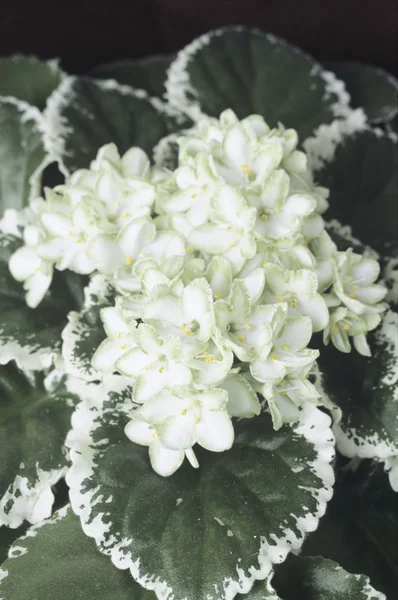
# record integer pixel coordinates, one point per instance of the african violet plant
(184, 337)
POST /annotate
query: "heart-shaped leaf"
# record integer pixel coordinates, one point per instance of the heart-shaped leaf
(85, 330)
(253, 72)
(33, 337)
(360, 527)
(56, 561)
(366, 389)
(206, 533)
(148, 74)
(28, 78)
(317, 578)
(34, 420)
(21, 153)
(363, 183)
(370, 88)
(84, 114)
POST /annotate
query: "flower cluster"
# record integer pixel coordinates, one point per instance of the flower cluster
(224, 270)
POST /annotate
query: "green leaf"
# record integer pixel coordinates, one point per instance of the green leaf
(205, 533)
(84, 114)
(317, 578)
(34, 420)
(85, 330)
(7, 537)
(28, 78)
(371, 88)
(32, 337)
(148, 74)
(253, 72)
(21, 153)
(360, 528)
(366, 390)
(363, 188)
(56, 561)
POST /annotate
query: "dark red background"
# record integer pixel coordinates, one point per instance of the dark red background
(86, 32)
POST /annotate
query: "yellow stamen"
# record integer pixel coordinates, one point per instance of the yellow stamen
(78, 241)
(161, 369)
(284, 393)
(241, 338)
(232, 245)
(190, 249)
(249, 325)
(335, 331)
(228, 227)
(353, 296)
(142, 254)
(123, 347)
(118, 336)
(355, 287)
(282, 381)
(286, 347)
(264, 217)
(218, 295)
(194, 196)
(182, 327)
(187, 331)
(197, 420)
(184, 412)
(148, 368)
(273, 357)
(125, 215)
(265, 262)
(279, 298)
(154, 435)
(246, 169)
(277, 210)
(293, 303)
(129, 260)
(346, 326)
(208, 359)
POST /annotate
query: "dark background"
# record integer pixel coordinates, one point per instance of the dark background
(85, 33)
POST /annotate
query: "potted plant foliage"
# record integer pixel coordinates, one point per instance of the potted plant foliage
(198, 327)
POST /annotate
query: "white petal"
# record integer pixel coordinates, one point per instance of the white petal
(24, 263)
(139, 432)
(165, 462)
(242, 399)
(214, 430)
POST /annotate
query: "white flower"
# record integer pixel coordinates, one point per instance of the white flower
(247, 330)
(344, 324)
(178, 418)
(121, 329)
(299, 290)
(230, 232)
(325, 252)
(286, 399)
(189, 316)
(288, 352)
(354, 283)
(28, 267)
(153, 364)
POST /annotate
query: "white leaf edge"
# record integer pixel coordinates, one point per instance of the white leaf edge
(16, 550)
(56, 129)
(372, 446)
(321, 147)
(314, 426)
(179, 88)
(368, 592)
(99, 286)
(32, 501)
(31, 113)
